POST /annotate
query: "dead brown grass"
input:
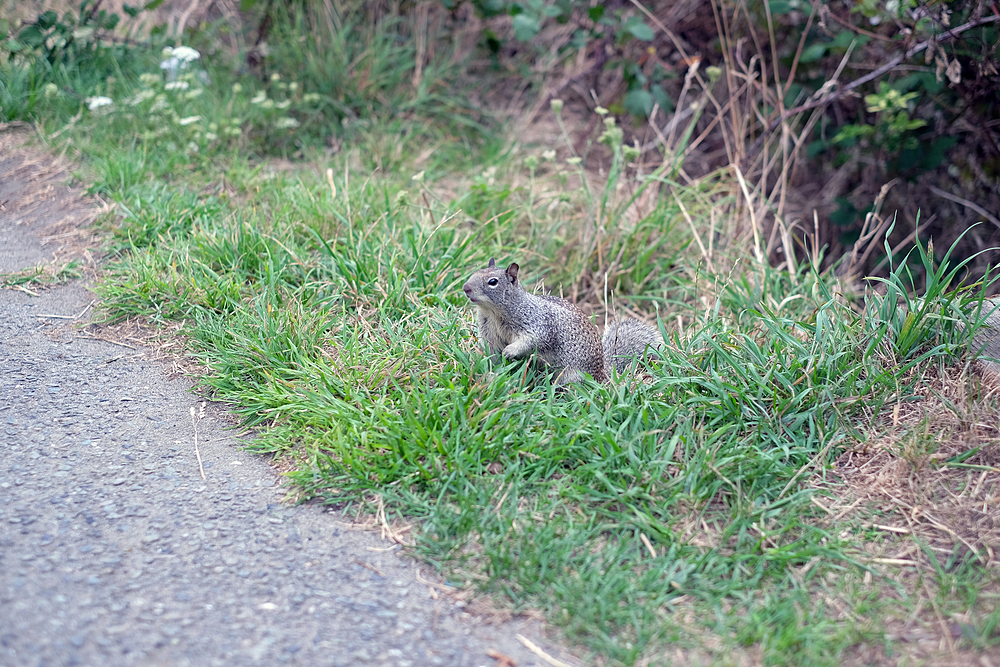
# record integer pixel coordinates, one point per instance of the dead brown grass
(932, 473)
(47, 201)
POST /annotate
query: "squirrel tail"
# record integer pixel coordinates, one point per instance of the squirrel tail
(627, 339)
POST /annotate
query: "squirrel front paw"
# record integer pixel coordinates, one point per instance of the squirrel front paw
(519, 348)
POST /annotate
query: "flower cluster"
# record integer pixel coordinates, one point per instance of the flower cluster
(177, 60)
(279, 97)
(174, 103)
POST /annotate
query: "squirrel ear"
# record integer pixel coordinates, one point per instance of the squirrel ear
(492, 264)
(512, 273)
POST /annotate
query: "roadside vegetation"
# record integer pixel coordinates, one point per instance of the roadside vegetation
(807, 477)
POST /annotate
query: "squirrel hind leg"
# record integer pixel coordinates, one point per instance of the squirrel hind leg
(627, 340)
(568, 376)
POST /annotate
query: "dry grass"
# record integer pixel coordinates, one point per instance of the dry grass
(931, 473)
(37, 192)
(919, 516)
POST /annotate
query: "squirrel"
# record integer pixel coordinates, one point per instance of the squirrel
(514, 323)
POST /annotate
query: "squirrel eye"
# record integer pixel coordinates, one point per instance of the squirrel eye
(492, 282)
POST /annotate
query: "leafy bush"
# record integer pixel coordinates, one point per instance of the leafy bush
(66, 59)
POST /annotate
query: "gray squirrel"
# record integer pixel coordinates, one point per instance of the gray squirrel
(514, 323)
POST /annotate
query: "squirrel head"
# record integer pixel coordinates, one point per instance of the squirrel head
(492, 287)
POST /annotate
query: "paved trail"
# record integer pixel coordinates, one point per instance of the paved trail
(114, 550)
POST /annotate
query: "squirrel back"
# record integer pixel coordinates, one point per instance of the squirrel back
(514, 323)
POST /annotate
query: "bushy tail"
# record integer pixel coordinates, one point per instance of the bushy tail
(624, 340)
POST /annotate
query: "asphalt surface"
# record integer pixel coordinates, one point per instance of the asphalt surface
(115, 551)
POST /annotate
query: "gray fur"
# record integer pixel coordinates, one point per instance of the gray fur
(628, 339)
(515, 324)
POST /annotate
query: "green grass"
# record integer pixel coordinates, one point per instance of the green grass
(678, 508)
(42, 275)
(338, 328)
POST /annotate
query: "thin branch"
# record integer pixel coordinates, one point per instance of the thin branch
(861, 31)
(966, 203)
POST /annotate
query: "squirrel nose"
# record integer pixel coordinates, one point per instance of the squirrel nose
(467, 289)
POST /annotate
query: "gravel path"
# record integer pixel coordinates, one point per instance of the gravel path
(114, 550)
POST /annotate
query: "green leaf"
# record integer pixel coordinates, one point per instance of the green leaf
(47, 20)
(638, 28)
(153, 4)
(525, 27)
(662, 98)
(846, 214)
(595, 13)
(843, 39)
(130, 10)
(639, 103)
(934, 155)
(780, 7)
(4, 28)
(813, 52)
(32, 36)
(491, 8)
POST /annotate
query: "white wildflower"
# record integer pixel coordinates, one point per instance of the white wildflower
(148, 79)
(177, 59)
(141, 97)
(95, 103)
(267, 104)
(188, 120)
(237, 88)
(284, 105)
(192, 147)
(258, 98)
(191, 94)
(211, 136)
(286, 123)
(293, 86)
(275, 77)
(160, 104)
(185, 54)
(51, 90)
(309, 98)
(177, 85)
